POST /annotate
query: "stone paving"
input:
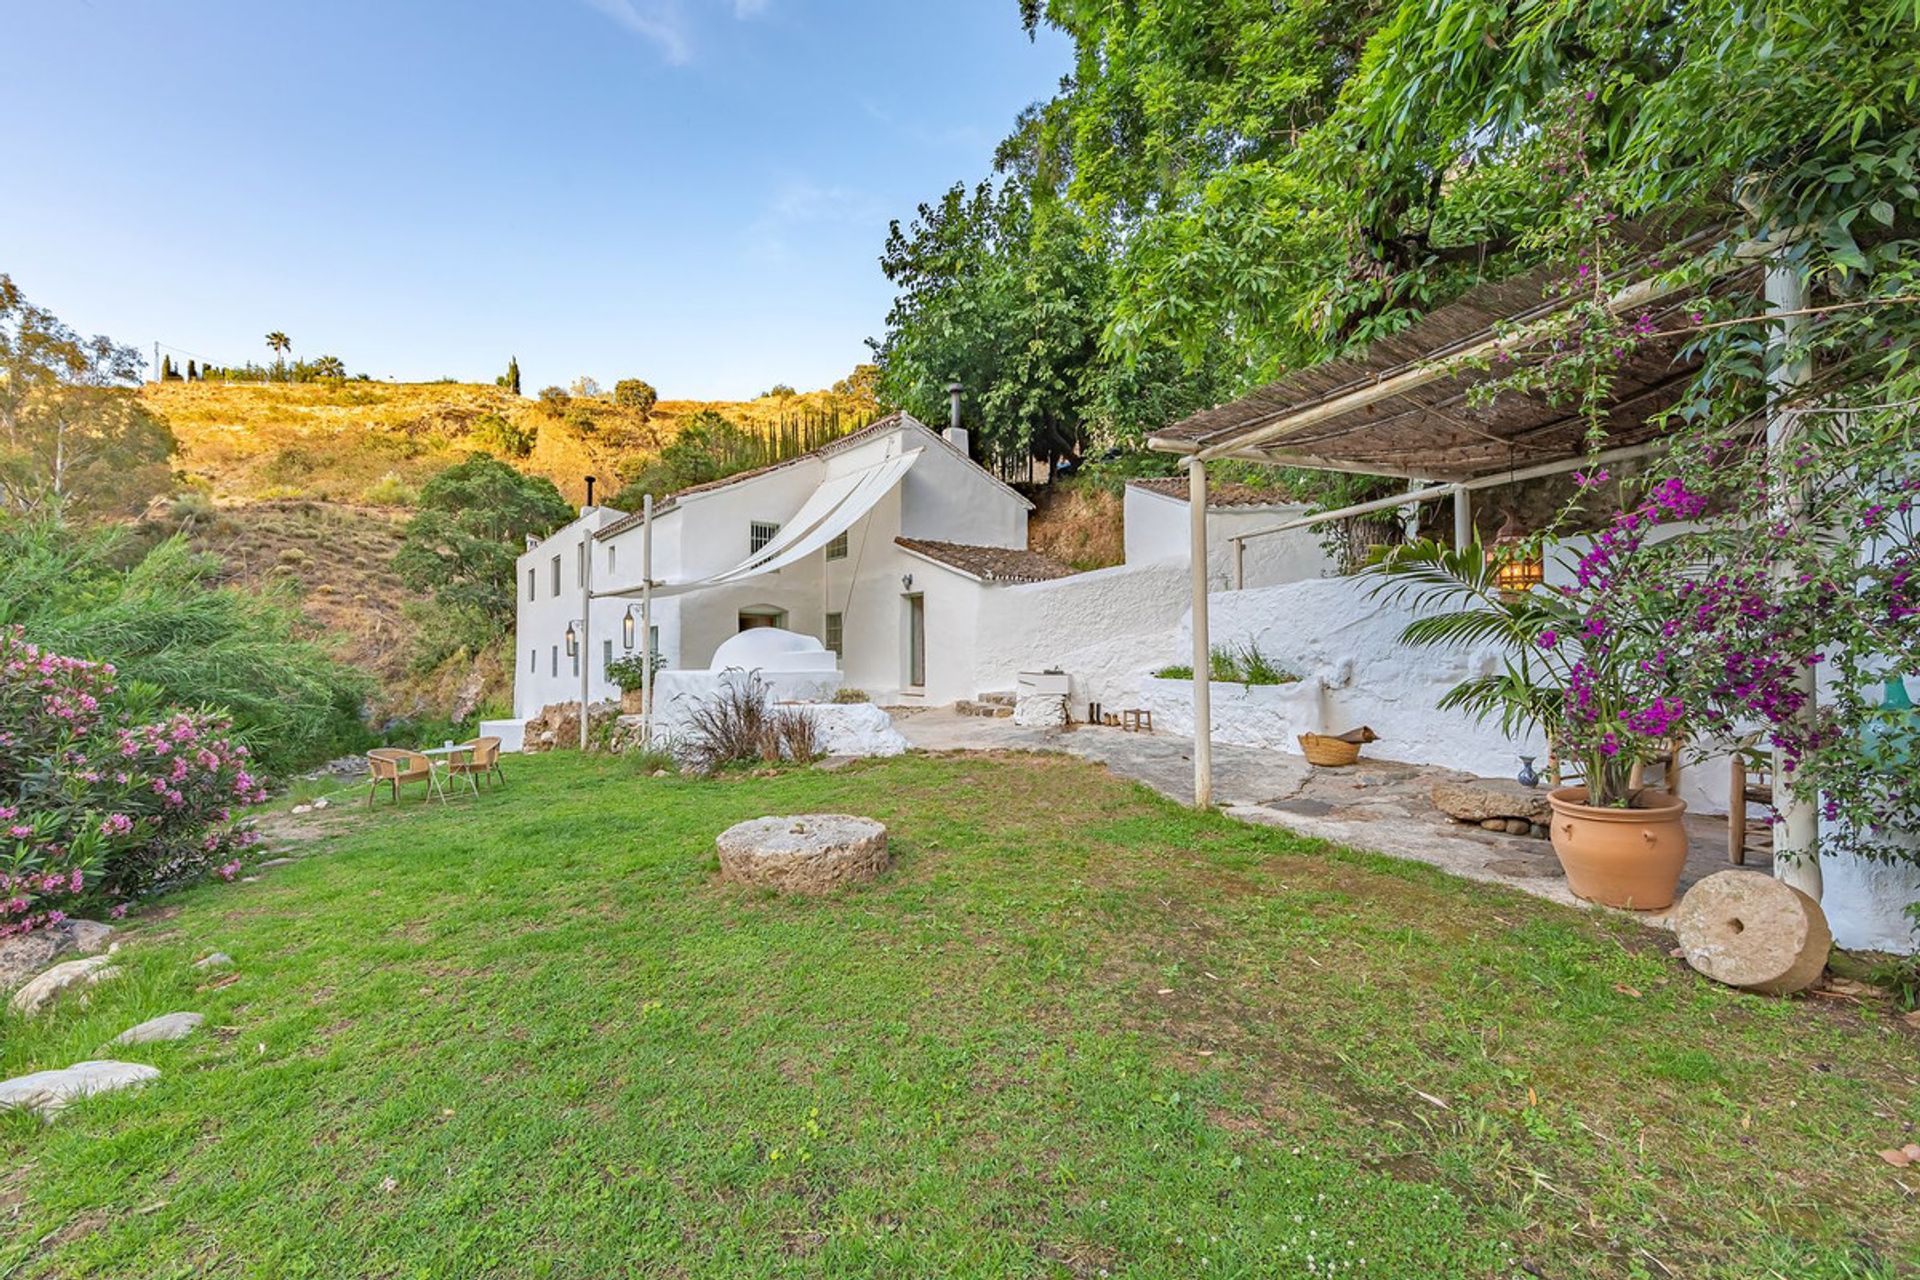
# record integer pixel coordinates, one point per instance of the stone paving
(1377, 805)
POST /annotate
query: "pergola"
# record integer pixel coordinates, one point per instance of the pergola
(1404, 409)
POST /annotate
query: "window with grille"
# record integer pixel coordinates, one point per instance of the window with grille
(837, 549)
(759, 534)
(836, 630)
(554, 668)
(533, 662)
(610, 556)
(556, 575)
(606, 656)
(530, 582)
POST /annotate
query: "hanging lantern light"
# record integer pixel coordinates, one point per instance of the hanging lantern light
(573, 641)
(1516, 568)
(626, 629)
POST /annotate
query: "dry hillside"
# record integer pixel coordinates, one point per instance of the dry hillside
(312, 484)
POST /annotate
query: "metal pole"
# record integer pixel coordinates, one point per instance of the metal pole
(1462, 517)
(1796, 837)
(646, 619)
(1202, 648)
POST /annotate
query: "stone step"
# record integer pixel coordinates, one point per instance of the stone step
(999, 698)
(988, 710)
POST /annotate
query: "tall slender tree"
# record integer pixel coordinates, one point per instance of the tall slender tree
(280, 344)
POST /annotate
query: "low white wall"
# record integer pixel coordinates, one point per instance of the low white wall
(677, 693)
(1271, 716)
(1106, 629)
(1344, 643)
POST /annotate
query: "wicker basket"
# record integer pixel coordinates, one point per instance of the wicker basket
(1329, 753)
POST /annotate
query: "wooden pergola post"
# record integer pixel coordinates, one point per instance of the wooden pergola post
(1796, 833)
(1202, 647)
(1462, 517)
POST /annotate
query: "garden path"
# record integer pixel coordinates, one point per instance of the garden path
(1381, 806)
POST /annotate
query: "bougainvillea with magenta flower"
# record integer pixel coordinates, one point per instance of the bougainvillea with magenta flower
(100, 804)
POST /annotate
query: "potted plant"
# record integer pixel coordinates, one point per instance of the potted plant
(626, 673)
(1588, 677)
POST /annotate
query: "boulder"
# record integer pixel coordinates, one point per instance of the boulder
(1041, 711)
(1485, 799)
(168, 1026)
(62, 978)
(28, 954)
(807, 853)
(45, 1093)
(1754, 932)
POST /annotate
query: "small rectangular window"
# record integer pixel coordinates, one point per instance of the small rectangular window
(556, 575)
(759, 534)
(837, 549)
(554, 666)
(606, 656)
(610, 557)
(835, 633)
(576, 660)
(530, 581)
(533, 662)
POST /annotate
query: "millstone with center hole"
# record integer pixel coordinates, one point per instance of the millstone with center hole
(803, 853)
(1751, 931)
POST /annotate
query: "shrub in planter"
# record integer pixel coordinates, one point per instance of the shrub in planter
(102, 798)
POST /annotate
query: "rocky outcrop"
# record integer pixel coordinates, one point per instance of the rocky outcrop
(1486, 799)
(168, 1026)
(557, 727)
(22, 957)
(73, 975)
(809, 853)
(47, 1093)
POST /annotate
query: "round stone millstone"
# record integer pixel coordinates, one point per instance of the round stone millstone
(808, 853)
(1754, 932)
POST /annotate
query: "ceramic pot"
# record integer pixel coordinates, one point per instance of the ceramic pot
(631, 703)
(1620, 857)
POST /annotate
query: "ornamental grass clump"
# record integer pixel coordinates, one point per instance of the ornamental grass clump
(103, 797)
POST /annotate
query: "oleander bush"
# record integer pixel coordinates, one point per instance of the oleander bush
(106, 795)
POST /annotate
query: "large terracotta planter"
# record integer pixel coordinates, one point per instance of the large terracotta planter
(1620, 857)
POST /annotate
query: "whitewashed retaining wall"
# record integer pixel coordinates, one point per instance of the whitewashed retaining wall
(1107, 629)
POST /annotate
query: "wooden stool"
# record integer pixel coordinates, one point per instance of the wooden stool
(1136, 720)
(1751, 783)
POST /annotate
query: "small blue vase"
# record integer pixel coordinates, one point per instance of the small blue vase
(1527, 777)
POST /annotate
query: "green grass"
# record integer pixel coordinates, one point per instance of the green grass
(1075, 1030)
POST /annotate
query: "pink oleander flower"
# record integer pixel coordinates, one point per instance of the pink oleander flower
(229, 870)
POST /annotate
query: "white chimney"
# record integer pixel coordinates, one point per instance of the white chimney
(956, 435)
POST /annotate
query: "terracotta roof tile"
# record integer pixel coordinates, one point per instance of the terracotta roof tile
(989, 564)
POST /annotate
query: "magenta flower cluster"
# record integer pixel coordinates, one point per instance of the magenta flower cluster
(98, 811)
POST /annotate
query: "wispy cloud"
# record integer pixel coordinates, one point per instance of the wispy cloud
(660, 21)
(799, 205)
(665, 22)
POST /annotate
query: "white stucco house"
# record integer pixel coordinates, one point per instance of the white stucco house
(886, 545)
(1158, 529)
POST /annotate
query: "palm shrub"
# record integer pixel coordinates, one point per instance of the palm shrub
(104, 797)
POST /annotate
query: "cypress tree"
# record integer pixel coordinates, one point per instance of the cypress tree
(513, 375)
(193, 372)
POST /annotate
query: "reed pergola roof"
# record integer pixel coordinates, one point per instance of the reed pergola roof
(1402, 407)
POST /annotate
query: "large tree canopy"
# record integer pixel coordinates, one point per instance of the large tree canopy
(472, 525)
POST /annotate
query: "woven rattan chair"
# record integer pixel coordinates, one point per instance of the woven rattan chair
(481, 761)
(394, 766)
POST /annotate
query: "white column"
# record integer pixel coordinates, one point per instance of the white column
(1796, 834)
(646, 619)
(585, 650)
(1410, 516)
(1462, 517)
(1202, 648)
(1239, 564)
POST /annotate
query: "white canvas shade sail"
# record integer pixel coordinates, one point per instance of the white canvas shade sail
(828, 512)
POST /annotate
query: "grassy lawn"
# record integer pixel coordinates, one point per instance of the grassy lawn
(1075, 1031)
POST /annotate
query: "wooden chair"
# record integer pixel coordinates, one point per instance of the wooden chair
(481, 761)
(1751, 783)
(394, 766)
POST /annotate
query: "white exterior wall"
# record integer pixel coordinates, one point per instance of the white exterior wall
(1105, 629)
(1157, 528)
(942, 498)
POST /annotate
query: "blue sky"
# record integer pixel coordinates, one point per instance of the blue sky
(690, 191)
